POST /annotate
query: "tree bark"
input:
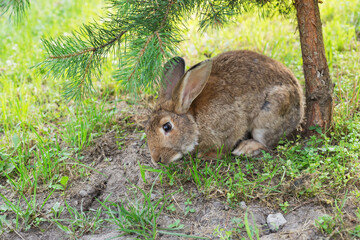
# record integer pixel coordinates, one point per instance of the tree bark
(319, 87)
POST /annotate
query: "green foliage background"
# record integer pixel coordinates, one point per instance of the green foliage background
(41, 132)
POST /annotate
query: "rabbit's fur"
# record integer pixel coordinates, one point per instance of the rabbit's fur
(240, 101)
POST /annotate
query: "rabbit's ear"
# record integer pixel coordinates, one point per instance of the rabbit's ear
(173, 71)
(191, 85)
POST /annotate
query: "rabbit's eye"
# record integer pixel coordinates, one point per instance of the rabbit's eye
(167, 127)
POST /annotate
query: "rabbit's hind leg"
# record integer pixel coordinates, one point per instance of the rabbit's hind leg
(249, 147)
(279, 115)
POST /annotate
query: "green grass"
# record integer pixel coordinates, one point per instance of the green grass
(42, 136)
(79, 222)
(242, 230)
(28, 96)
(26, 211)
(322, 168)
(86, 122)
(42, 162)
(139, 216)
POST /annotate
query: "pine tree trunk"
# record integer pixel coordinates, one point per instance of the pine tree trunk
(319, 87)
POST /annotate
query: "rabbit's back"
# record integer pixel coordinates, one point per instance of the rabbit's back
(248, 71)
(246, 76)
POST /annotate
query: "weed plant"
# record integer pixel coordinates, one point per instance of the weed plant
(79, 222)
(139, 214)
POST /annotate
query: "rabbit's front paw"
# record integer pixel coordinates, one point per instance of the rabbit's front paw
(249, 148)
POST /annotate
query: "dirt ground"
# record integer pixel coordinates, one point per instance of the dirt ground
(117, 170)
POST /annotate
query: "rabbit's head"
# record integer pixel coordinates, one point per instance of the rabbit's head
(172, 130)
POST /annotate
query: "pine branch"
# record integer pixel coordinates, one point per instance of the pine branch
(17, 8)
(142, 51)
(143, 33)
(77, 58)
(92, 49)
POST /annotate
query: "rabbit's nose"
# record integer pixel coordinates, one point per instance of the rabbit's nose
(155, 156)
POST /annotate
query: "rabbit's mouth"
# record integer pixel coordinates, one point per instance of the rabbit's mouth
(176, 157)
(165, 160)
(187, 149)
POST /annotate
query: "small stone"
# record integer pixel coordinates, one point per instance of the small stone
(275, 221)
(187, 230)
(152, 196)
(243, 205)
(89, 189)
(83, 193)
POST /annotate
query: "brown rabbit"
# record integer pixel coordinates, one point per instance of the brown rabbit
(240, 101)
